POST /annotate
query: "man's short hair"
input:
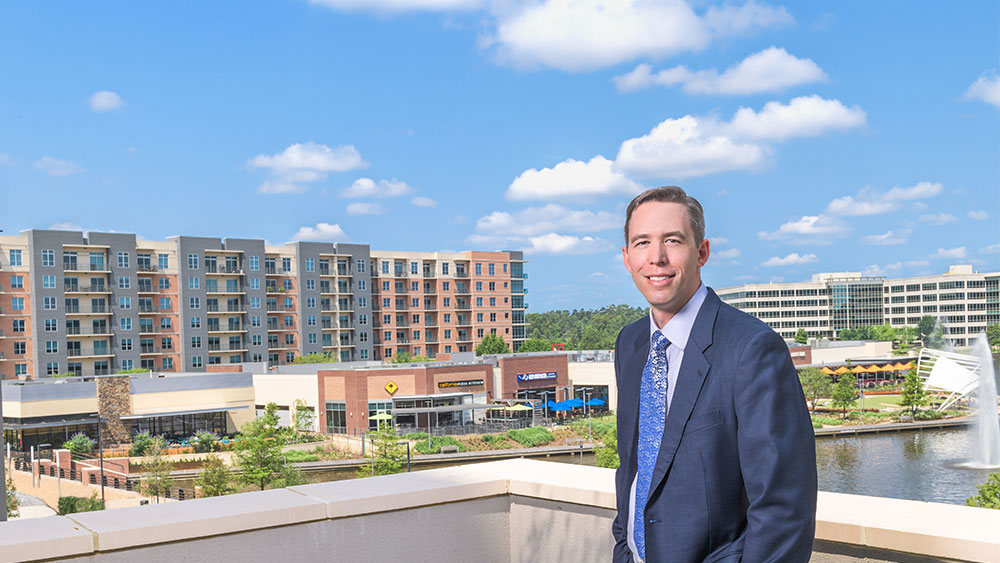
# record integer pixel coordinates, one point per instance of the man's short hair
(671, 194)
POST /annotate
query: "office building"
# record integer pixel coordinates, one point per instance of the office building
(963, 302)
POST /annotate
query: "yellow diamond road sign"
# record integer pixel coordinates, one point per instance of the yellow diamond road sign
(391, 387)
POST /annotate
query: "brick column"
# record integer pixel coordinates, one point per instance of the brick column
(114, 401)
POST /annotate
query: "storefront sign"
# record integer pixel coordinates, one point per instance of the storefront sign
(536, 376)
(391, 387)
(462, 383)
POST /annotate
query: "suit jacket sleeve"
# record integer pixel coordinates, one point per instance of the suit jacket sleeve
(777, 452)
(622, 553)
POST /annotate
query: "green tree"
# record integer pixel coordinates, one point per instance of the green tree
(583, 328)
(156, 481)
(215, 479)
(815, 384)
(79, 444)
(11, 499)
(801, 336)
(316, 358)
(913, 395)
(884, 332)
(404, 357)
(302, 416)
(387, 455)
(993, 335)
(143, 442)
(930, 331)
(535, 345)
(843, 393)
(492, 344)
(989, 493)
(204, 442)
(258, 450)
(606, 455)
(132, 370)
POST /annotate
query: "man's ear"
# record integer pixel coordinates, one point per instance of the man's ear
(625, 259)
(704, 249)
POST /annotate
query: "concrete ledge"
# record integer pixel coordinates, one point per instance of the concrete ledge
(41, 538)
(175, 521)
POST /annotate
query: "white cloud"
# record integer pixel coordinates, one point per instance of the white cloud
(422, 201)
(321, 232)
(105, 100)
(986, 88)
(792, 259)
(55, 167)
(571, 178)
(718, 241)
(874, 270)
(304, 163)
(938, 219)
(684, 148)
(399, 5)
(728, 254)
(991, 249)
(553, 243)
(5, 159)
(957, 253)
(917, 263)
(805, 116)
(810, 227)
(770, 70)
(366, 187)
(737, 20)
(65, 226)
(363, 208)
(978, 215)
(872, 202)
(692, 146)
(548, 218)
(887, 238)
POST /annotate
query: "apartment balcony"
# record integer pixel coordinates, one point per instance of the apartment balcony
(279, 308)
(146, 268)
(513, 511)
(150, 309)
(150, 330)
(88, 331)
(278, 290)
(76, 267)
(461, 274)
(228, 309)
(87, 289)
(223, 270)
(226, 329)
(78, 310)
(151, 350)
(89, 354)
(218, 350)
(282, 329)
(238, 290)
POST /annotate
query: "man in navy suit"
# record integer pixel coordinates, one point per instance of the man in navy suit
(718, 459)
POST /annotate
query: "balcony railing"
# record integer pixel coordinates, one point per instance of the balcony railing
(72, 309)
(99, 288)
(76, 267)
(88, 331)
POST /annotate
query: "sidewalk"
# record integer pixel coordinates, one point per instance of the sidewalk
(49, 491)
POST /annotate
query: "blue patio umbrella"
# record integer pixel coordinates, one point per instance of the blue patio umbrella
(560, 406)
(552, 404)
(574, 402)
(595, 402)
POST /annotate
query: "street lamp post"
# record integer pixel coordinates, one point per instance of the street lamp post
(407, 453)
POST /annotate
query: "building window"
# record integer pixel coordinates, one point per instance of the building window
(286, 264)
(196, 361)
(52, 368)
(17, 303)
(20, 348)
(479, 286)
(444, 268)
(492, 269)
(493, 286)
(51, 325)
(254, 283)
(310, 264)
(194, 303)
(196, 342)
(51, 346)
(493, 301)
(124, 302)
(124, 282)
(164, 283)
(479, 269)
(165, 323)
(363, 336)
(310, 320)
(255, 321)
(255, 303)
(362, 319)
(17, 325)
(125, 344)
(49, 303)
(195, 322)
(361, 266)
(414, 268)
(311, 338)
(194, 283)
(447, 301)
(163, 261)
(385, 266)
(479, 301)
(48, 282)
(125, 324)
(363, 302)
(48, 257)
(15, 257)
(123, 260)
(192, 261)
(254, 262)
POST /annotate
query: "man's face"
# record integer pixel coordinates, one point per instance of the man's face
(664, 259)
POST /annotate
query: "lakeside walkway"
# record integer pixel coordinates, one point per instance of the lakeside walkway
(892, 427)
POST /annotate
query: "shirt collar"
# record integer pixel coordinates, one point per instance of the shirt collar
(678, 329)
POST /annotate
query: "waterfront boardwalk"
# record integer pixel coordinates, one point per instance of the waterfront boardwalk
(892, 427)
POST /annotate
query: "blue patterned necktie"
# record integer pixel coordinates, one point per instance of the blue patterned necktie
(652, 412)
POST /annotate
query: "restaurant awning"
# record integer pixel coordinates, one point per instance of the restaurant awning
(842, 370)
(828, 371)
(859, 369)
(873, 368)
(181, 413)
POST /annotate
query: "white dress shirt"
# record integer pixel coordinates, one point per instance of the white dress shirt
(677, 330)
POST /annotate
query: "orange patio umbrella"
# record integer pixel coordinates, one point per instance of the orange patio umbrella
(908, 365)
(873, 368)
(899, 367)
(828, 371)
(859, 369)
(888, 367)
(841, 370)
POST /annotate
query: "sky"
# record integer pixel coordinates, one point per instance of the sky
(818, 136)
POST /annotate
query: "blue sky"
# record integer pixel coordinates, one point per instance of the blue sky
(848, 136)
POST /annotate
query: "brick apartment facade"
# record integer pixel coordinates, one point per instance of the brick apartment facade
(98, 303)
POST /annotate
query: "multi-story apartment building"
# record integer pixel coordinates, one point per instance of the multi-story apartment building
(103, 302)
(962, 300)
(430, 303)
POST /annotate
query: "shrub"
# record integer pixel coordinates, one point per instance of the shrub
(79, 444)
(70, 505)
(531, 437)
(414, 436)
(826, 420)
(989, 493)
(142, 443)
(436, 443)
(296, 456)
(204, 442)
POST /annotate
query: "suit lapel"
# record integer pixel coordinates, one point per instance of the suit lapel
(630, 410)
(690, 379)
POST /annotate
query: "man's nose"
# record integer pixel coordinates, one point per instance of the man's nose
(658, 254)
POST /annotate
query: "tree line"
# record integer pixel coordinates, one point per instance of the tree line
(580, 329)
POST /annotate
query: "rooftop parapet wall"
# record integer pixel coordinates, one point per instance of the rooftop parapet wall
(507, 511)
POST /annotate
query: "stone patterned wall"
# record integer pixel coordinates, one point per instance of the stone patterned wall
(114, 401)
